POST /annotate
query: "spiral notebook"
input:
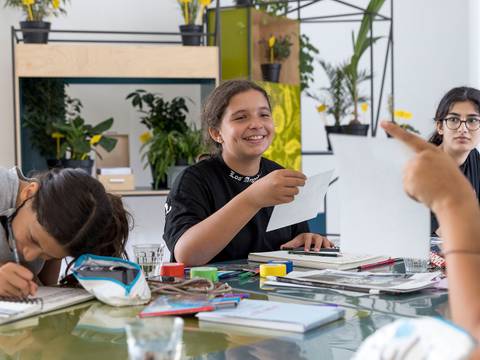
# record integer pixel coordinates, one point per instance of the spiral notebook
(47, 299)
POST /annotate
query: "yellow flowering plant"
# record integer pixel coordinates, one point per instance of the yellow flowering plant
(37, 10)
(278, 48)
(78, 139)
(192, 10)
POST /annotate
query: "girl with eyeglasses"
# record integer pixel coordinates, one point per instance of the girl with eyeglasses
(457, 123)
(59, 213)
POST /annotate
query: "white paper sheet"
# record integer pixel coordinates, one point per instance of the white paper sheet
(306, 205)
(376, 215)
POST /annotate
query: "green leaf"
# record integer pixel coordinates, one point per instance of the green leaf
(102, 127)
(107, 143)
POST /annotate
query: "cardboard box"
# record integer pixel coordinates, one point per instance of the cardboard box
(118, 158)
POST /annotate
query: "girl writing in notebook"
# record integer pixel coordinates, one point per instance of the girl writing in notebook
(63, 212)
(457, 124)
(219, 208)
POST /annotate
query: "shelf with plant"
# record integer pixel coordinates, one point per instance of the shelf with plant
(35, 28)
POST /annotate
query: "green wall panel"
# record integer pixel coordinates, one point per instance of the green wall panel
(234, 42)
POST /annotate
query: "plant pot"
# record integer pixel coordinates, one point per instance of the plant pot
(271, 72)
(173, 173)
(54, 164)
(352, 129)
(85, 165)
(195, 36)
(35, 37)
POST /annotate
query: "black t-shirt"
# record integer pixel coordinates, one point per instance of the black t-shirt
(471, 169)
(202, 189)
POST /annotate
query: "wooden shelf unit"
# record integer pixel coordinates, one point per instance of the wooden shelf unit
(105, 63)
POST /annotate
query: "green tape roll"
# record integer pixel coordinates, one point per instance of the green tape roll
(209, 273)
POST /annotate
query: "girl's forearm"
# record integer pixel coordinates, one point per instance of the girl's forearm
(199, 244)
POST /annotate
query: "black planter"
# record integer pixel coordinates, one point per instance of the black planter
(39, 36)
(54, 164)
(85, 165)
(195, 34)
(271, 72)
(352, 129)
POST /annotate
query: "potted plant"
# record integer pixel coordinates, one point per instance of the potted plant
(192, 13)
(170, 153)
(34, 28)
(76, 139)
(244, 2)
(166, 124)
(278, 49)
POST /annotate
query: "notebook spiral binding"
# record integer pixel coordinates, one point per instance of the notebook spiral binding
(22, 300)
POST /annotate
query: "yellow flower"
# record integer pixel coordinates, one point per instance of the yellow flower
(95, 139)
(56, 4)
(321, 108)
(271, 41)
(205, 2)
(403, 114)
(28, 2)
(146, 136)
(364, 107)
(57, 135)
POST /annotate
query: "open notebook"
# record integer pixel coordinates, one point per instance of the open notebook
(47, 299)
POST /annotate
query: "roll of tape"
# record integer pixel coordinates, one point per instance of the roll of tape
(288, 264)
(172, 269)
(209, 273)
(273, 270)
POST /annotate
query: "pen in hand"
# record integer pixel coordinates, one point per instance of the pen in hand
(13, 243)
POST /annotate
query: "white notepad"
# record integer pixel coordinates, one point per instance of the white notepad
(47, 299)
(275, 315)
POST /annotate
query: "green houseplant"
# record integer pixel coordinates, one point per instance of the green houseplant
(277, 50)
(35, 29)
(192, 13)
(76, 139)
(169, 141)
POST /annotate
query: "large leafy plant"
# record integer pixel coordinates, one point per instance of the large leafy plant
(158, 114)
(169, 139)
(78, 138)
(37, 10)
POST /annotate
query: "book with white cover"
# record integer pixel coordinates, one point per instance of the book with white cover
(47, 299)
(342, 262)
(275, 315)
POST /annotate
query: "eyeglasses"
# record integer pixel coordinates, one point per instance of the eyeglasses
(454, 122)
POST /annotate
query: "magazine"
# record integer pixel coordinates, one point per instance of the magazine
(370, 282)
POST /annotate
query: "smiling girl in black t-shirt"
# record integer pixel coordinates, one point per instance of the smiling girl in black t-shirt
(219, 208)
